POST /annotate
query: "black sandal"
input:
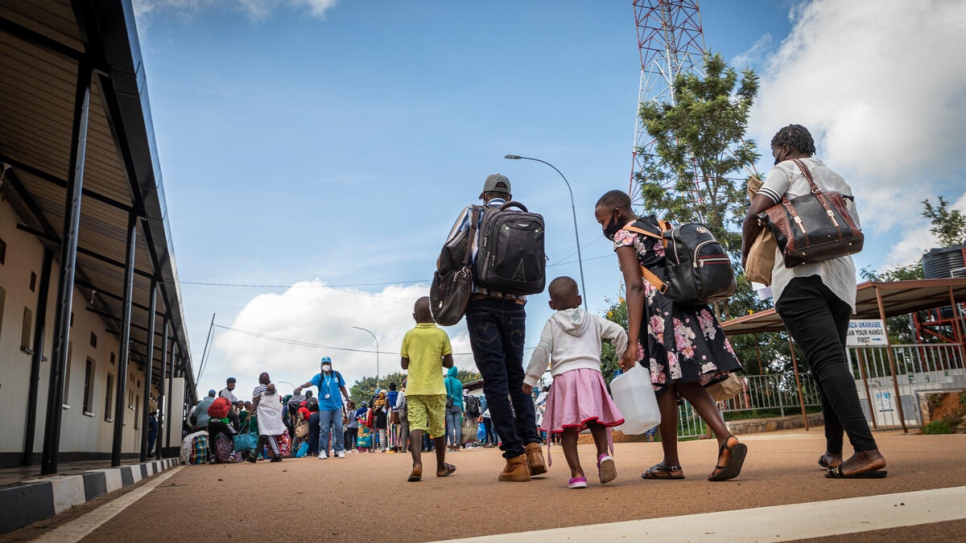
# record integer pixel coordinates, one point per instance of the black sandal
(836, 473)
(653, 471)
(733, 467)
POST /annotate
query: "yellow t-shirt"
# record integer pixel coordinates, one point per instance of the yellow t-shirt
(425, 346)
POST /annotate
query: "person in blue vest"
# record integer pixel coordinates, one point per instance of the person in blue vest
(331, 387)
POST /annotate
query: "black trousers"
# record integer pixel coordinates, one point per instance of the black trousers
(818, 321)
(215, 427)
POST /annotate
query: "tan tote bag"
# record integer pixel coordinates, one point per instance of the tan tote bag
(761, 256)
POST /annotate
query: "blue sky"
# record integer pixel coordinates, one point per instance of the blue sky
(306, 143)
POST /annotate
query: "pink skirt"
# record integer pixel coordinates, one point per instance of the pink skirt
(576, 398)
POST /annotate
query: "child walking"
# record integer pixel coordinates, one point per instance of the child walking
(425, 351)
(578, 400)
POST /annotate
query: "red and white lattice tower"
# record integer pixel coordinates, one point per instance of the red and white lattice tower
(671, 42)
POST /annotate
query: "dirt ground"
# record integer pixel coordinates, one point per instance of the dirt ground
(365, 497)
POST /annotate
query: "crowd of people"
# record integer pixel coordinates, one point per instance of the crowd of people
(299, 425)
(683, 346)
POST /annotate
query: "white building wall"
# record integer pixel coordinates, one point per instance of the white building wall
(90, 432)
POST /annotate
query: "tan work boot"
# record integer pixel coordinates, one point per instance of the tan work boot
(516, 470)
(535, 459)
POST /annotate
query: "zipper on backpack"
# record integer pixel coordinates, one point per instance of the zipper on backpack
(694, 260)
(713, 260)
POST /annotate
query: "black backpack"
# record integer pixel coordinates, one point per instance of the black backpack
(698, 268)
(510, 255)
(472, 406)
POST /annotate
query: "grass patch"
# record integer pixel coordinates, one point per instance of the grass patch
(937, 427)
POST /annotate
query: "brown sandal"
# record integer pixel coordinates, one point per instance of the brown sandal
(449, 469)
(416, 474)
(732, 467)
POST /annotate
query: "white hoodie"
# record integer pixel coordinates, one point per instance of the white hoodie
(571, 340)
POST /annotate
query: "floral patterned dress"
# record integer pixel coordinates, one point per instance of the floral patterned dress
(680, 342)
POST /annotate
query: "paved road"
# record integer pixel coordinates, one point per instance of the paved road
(365, 497)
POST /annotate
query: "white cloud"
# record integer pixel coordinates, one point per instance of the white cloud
(917, 241)
(883, 90)
(308, 312)
(755, 56)
(255, 9)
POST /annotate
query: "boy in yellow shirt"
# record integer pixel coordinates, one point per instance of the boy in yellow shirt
(425, 352)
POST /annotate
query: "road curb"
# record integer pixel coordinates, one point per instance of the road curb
(38, 499)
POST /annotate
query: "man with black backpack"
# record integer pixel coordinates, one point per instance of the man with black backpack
(508, 264)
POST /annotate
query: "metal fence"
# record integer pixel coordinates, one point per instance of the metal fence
(773, 395)
(920, 369)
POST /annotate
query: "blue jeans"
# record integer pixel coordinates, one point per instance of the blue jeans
(497, 331)
(454, 432)
(331, 420)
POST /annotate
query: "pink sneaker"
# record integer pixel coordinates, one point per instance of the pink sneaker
(577, 482)
(606, 468)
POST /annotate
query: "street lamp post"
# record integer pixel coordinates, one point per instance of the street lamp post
(573, 209)
(377, 352)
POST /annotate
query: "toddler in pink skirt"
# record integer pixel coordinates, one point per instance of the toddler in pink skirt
(570, 346)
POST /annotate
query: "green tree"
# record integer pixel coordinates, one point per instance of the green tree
(699, 148)
(949, 225)
(466, 376)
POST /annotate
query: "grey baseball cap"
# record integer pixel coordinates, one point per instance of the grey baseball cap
(492, 184)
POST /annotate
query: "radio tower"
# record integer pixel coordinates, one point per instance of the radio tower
(671, 42)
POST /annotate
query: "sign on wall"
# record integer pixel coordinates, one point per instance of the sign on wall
(867, 333)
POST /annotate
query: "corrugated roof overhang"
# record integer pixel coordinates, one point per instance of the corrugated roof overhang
(898, 298)
(42, 44)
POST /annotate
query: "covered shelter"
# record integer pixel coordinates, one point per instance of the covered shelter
(881, 300)
(84, 213)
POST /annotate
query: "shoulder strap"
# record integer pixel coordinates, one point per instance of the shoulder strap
(808, 175)
(648, 275)
(654, 280)
(471, 239)
(662, 224)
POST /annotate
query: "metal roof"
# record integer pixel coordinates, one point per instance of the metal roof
(42, 44)
(898, 298)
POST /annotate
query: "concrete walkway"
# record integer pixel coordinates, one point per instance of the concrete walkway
(365, 497)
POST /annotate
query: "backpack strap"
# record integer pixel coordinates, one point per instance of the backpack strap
(471, 238)
(648, 275)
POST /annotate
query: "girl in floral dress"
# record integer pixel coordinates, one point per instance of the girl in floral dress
(683, 346)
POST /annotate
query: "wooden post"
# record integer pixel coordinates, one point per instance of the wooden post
(892, 363)
(865, 383)
(956, 330)
(758, 352)
(798, 384)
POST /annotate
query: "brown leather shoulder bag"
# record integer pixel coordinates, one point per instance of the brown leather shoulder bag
(813, 227)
